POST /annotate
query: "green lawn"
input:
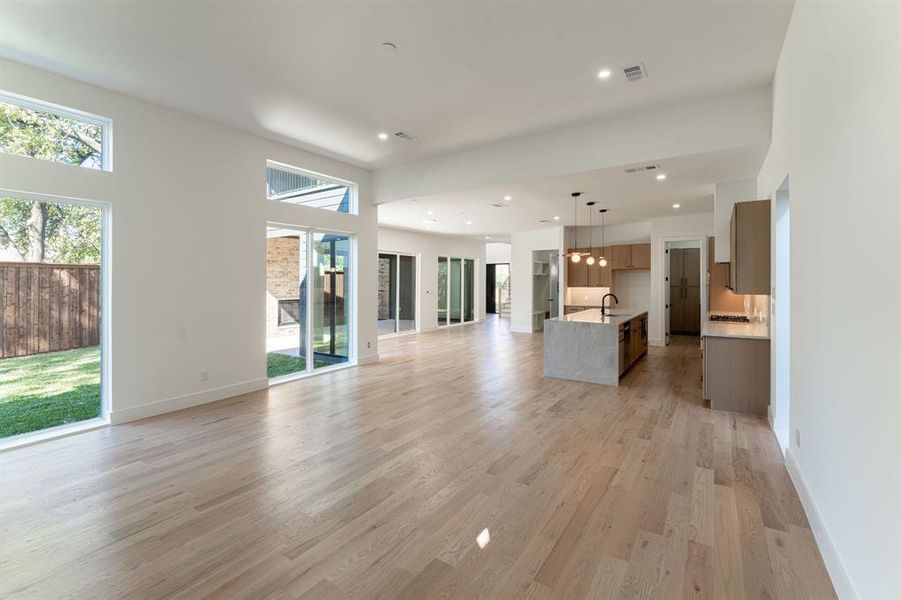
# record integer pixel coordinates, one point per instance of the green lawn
(282, 364)
(46, 390)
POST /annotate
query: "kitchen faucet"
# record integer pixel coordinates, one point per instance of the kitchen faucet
(603, 309)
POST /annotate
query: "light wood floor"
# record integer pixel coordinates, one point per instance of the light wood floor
(374, 483)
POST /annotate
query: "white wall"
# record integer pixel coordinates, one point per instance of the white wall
(497, 253)
(836, 133)
(680, 227)
(189, 216)
(428, 247)
(522, 244)
(725, 195)
(733, 120)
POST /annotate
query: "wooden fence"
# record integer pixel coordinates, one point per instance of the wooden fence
(48, 307)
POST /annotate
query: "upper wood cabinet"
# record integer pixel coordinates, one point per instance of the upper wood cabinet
(630, 256)
(749, 269)
(581, 274)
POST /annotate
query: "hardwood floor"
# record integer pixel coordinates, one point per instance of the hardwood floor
(374, 483)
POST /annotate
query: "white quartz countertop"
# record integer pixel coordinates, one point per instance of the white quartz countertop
(593, 315)
(749, 331)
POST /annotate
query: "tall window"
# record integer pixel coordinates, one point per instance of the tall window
(456, 290)
(296, 186)
(308, 300)
(37, 129)
(396, 293)
(50, 295)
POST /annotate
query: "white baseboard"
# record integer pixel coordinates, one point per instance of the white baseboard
(152, 409)
(837, 572)
(657, 342)
(517, 329)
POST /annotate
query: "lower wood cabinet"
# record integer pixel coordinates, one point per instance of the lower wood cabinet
(737, 374)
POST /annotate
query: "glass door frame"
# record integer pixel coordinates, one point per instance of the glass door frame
(475, 287)
(416, 278)
(105, 417)
(350, 304)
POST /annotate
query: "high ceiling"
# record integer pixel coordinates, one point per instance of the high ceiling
(313, 74)
(630, 197)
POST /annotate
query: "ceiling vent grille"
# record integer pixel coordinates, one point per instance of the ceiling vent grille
(403, 135)
(635, 72)
(642, 168)
(500, 205)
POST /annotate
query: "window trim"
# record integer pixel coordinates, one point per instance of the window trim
(106, 123)
(353, 209)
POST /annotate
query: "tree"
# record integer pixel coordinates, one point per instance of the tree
(39, 231)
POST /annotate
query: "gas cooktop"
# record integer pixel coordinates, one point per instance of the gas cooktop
(730, 318)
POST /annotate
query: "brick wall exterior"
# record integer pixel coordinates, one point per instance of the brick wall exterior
(284, 255)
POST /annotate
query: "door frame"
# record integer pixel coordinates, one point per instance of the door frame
(416, 282)
(663, 295)
(350, 309)
(104, 418)
(476, 268)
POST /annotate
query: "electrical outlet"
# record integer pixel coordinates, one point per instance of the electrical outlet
(797, 437)
(369, 344)
(204, 376)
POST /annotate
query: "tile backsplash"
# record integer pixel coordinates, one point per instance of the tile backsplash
(585, 296)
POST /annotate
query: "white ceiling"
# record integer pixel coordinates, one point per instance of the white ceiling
(630, 198)
(313, 74)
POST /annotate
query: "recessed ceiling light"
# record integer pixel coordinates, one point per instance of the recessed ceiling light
(603, 73)
(676, 205)
(389, 47)
(556, 218)
(487, 237)
(469, 222)
(661, 176)
(383, 136)
(508, 198)
(431, 212)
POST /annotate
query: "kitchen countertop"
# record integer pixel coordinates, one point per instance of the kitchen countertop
(748, 331)
(593, 316)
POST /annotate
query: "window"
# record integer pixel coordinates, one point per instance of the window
(52, 265)
(396, 293)
(288, 312)
(296, 186)
(37, 129)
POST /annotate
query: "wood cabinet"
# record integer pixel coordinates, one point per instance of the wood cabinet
(581, 274)
(685, 290)
(633, 341)
(749, 269)
(737, 374)
(630, 256)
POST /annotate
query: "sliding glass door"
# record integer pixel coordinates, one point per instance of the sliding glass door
(309, 318)
(396, 293)
(456, 296)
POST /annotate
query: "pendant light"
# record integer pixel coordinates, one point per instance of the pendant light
(603, 261)
(575, 255)
(590, 259)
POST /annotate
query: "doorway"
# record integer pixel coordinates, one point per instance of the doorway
(396, 293)
(497, 289)
(683, 288)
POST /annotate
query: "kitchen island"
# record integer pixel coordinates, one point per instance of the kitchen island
(594, 347)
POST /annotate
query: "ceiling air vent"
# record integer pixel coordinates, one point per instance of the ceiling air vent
(635, 72)
(642, 168)
(404, 135)
(500, 205)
